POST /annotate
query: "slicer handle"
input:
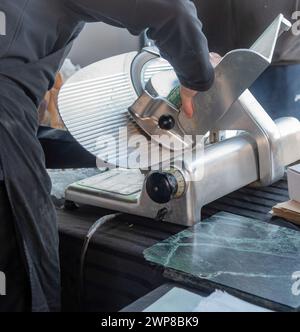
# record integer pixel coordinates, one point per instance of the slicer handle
(137, 67)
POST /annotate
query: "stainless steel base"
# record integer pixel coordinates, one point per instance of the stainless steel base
(228, 166)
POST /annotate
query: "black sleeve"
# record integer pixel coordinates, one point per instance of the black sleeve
(173, 25)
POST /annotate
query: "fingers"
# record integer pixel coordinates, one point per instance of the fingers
(215, 58)
(187, 101)
(188, 108)
(187, 95)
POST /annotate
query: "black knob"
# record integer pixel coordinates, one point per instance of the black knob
(161, 187)
(166, 122)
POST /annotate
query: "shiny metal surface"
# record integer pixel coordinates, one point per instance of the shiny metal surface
(237, 71)
(94, 105)
(247, 114)
(227, 166)
(95, 101)
(148, 111)
(138, 67)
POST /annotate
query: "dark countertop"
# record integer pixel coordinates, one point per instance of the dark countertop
(116, 272)
(253, 259)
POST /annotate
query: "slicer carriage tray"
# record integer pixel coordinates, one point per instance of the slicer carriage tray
(120, 184)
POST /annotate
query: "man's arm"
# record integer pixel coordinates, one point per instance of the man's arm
(173, 25)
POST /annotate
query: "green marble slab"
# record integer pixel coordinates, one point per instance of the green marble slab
(252, 257)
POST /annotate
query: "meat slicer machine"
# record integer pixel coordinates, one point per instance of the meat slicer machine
(124, 97)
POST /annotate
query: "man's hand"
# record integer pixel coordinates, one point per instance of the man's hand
(187, 100)
(188, 94)
(215, 59)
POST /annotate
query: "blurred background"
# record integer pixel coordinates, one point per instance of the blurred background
(99, 41)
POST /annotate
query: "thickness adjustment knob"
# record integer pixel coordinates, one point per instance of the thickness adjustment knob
(164, 186)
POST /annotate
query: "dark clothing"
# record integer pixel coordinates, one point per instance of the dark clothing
(12, 261)
(62, 151)
(28, 187)
(39, 35)
(232, 24)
